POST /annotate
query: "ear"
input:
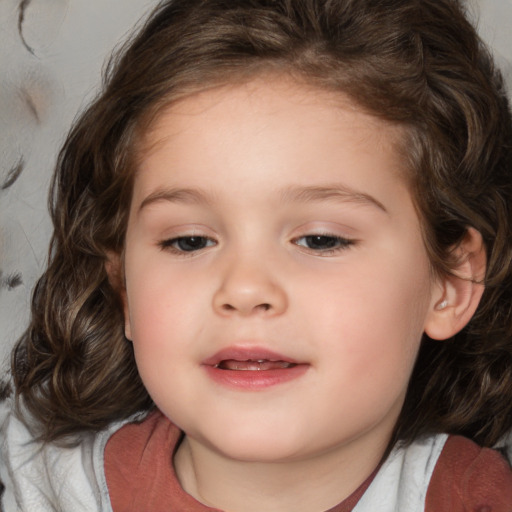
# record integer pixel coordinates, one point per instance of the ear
(455, 297)
(114, 269)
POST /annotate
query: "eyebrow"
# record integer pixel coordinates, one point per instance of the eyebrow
(177, 195)
(336, 192)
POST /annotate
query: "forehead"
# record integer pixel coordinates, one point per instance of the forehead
(279, 95)
(293, 131)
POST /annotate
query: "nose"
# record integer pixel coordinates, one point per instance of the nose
(249, 288)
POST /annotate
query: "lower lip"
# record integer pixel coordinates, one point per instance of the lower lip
(253, 380)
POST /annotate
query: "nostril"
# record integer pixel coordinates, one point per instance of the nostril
(263, 307)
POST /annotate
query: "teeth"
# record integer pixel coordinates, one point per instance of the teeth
(250, 365)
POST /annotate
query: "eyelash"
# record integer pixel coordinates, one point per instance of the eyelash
(171, 244)
(335, 244)
(339, 243)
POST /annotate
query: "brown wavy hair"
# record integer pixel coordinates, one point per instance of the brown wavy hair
(415, 63)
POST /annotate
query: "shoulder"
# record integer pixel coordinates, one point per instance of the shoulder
(440, 473)
(46, 476)
(469, 477)
(138, 471)
(149, 440)
(403, 479)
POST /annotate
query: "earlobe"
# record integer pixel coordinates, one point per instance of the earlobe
(114, 269)
(456, 296)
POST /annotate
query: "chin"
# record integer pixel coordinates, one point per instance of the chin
(260, 447)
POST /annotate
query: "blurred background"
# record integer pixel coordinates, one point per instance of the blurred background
(51, 57)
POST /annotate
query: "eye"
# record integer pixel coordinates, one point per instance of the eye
(187, 243)
(324, 243)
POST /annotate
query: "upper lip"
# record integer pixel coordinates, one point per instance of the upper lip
(246, 354)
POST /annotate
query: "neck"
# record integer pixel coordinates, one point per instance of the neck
(307, 485)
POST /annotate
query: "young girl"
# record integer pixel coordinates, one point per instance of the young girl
(280, 277)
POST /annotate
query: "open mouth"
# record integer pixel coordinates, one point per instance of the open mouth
(253, 365)
(252, 368)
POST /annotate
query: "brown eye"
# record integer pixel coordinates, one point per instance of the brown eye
(188, 243)
(323, 242)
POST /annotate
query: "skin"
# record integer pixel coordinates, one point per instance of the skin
(254, 172)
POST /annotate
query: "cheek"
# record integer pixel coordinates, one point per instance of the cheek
(159, 337)
(166, 313)
(159, 295)
(371, 321)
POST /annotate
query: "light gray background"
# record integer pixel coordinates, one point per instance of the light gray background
(51, 55)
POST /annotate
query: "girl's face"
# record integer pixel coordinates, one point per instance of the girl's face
(277, 285)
